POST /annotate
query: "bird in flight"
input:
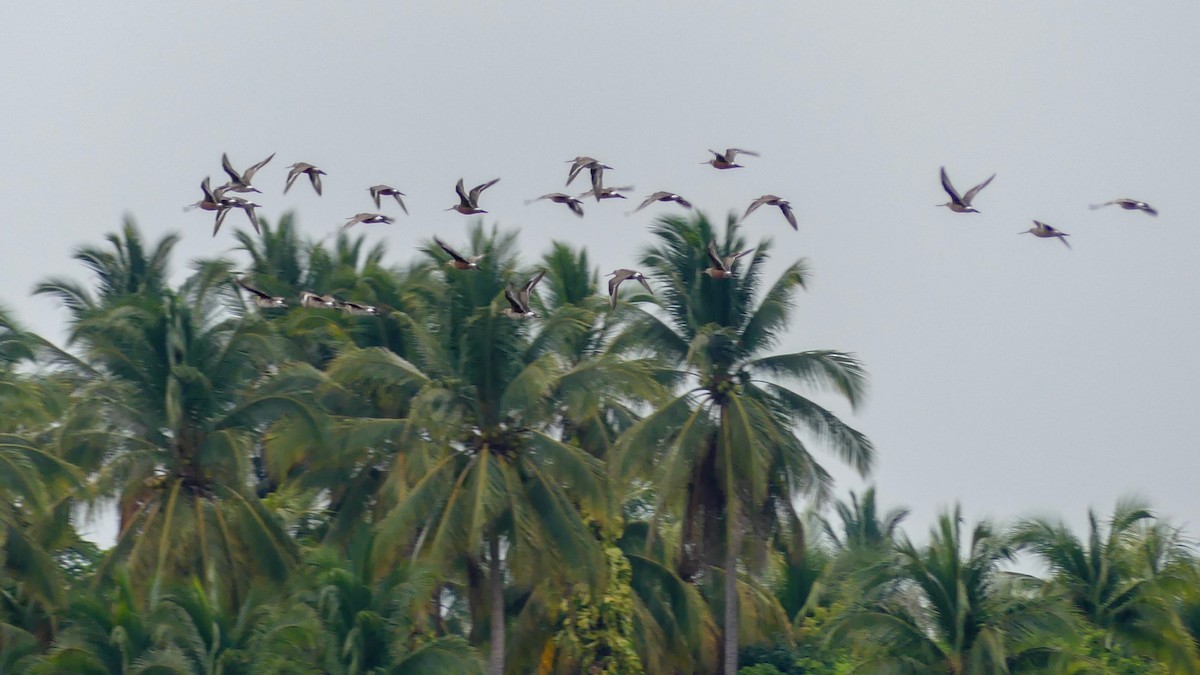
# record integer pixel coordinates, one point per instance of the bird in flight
(1127, 204)
(357, 308)
(725, 160)
(240, 182)
(518, 300)
(468, 203)
(619, 276)
(457, 260)
(572, 203)
(1045, 231)
(608, 192)
(771, 200)
(226, 203)
(310, 299)
(378, 191)
(961, 204)
(314, 175)
(211, 200)
(664, 197)
(368, 219)
(723, 267)
(260, 298)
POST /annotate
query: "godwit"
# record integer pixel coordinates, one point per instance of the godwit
(240, 182)
(211, 200)
(368, 219)
(572, 203)
(457, 260)
(1127, 204)
(357, 308)
(580, 163)
(260, 298)
(725, 160)
(618, 276)
(310, 299)
(1045, 231)
(608, 192)
(723, 267)
(378, 191)
(468, 204)
(664, 197)
(784, 205)
(519, 299)
(226, 203)
(961, 204)
(314, 175)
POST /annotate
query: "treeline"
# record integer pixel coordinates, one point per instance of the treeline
(443, 488)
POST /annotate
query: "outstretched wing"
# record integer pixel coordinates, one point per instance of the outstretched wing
(474, 196)
(975, 190)
(451, 252)
(233, 174)
(954, 197)
(714, 257)
(790, 215)
(513, 301)
(249, 173)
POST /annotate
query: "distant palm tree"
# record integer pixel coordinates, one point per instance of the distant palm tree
(727, 444)
(1124, 578)
(861, 525)
(948, 607)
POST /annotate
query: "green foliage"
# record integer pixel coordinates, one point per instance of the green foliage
(301, 490)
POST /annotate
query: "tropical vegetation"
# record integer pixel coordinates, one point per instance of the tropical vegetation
(439, 488)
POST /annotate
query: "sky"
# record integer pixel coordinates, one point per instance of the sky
(1008, 373)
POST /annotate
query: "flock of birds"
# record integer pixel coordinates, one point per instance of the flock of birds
(962, 204)
(223, 199)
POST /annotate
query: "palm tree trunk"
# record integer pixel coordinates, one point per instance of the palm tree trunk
(496, 583)
(732, 544)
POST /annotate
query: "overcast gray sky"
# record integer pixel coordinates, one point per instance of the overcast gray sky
(1008, 372)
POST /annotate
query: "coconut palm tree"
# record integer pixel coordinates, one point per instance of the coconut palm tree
(949, 607)
(1125, 578)
(485, 476)
(724, 452)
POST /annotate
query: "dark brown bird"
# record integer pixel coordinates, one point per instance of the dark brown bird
(1125, 203)
(784, 205)
(725, 160)
(240, 182)
(457, 260)
(961, 204)
(368, 219)
(664, 197)
(518, 300)
(723, 267)
(619, 276)
(1045, 231)
(572, 203)
(468, 203)
(378, 191)
(314, 175)
(260, 298)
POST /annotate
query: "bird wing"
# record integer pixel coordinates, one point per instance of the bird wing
(358, 218)
(316, 181)
(716, 259)
(249, 209)
(682, 202)
(233, 174)
(642, 280)
(733, 258)
(597, 170)
(975, 190)
(462, 193)
(375, 196)
(220, 219)
(249, 173)
(252, 289)
(651, 199)
(613, 284)
(733, 152)
(208, 195)
(512, 300)
(399, 201)
(575, 207)
(954, 197)
(528, 287)
(1149, 209)
(480, 188)
(757, 203)
(453, 254)
(790, 215)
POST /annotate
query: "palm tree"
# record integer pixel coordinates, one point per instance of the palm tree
(174, 381)
(1124, 579)
(949, 608)
(485, 474)
(724, 452)
(861, 525)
